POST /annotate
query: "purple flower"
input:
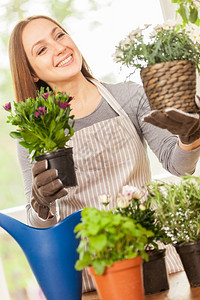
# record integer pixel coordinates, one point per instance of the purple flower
(45, 95)
(70, 99)
(7, 106)
(63, 105)
(41, 111)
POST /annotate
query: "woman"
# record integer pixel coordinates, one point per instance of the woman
(109, 140)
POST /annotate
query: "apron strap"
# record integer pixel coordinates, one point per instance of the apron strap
(109, 98)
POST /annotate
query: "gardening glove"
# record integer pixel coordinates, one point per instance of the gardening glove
(185, 125)
(46, 188)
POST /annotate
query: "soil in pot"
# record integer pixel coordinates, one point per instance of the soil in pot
(62, 160)
(155, 276)
(190, 256)
(122, 280)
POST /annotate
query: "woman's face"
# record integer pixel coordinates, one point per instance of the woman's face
(52, 54)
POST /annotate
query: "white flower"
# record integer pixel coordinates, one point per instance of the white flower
(123, 201)
(135, 33)
(193, 32)
(142, 207)
(104, 199)
(117, 54)
(125, 43)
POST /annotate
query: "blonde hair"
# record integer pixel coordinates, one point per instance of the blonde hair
(21, 70)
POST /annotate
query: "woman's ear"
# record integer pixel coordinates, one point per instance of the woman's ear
(35, 79)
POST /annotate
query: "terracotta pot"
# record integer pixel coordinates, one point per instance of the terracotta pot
(121, 281)
(190, 256)
(155, 274)
(62, 160)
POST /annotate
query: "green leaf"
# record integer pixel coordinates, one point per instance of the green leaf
(98, 242)
(193, 15)
(99, 266)
(15, 135)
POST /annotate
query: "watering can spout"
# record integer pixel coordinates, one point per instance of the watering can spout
(14, 227)
(51, 253)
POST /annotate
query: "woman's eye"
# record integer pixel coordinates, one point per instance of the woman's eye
(41, 51)
(60, 35)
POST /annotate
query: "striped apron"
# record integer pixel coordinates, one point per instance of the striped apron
(107, 156)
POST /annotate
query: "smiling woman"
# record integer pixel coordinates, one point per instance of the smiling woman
(109, 144)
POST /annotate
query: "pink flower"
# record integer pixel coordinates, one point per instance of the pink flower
(7, 106)
(132, 192)
(37, 113)
(41, 109)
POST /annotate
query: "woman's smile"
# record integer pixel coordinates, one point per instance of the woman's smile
(66, 61)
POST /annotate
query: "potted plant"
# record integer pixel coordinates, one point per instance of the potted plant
(134, 204)
(112, 247)
(178, 213)
(168, 57)
(44, 128)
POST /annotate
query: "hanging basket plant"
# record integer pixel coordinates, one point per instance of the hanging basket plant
(168, 58)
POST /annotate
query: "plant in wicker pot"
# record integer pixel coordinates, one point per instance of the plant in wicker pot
(44, 126)
(178, 213)
(112, 247)
(134, 204)
(168, 58)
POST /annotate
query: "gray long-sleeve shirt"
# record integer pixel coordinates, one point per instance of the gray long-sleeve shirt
(132, 99)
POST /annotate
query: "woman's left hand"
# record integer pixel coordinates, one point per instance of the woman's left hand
(185, 125)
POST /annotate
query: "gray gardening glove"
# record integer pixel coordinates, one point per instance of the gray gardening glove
(185, 125)
(46, 188)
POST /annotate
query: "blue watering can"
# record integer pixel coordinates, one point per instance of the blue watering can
(51, 253)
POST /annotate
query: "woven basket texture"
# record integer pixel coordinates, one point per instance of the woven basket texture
(171, 84)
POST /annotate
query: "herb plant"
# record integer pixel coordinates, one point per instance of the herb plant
(177, 208)
(107, 237)
(42, 123)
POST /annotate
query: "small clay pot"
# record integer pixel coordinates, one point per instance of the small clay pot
(62, 160)
(122, 280)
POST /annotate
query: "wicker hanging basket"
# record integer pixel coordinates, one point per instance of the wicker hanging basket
(171, 84)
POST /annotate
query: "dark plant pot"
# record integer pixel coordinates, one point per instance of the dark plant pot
(190, 256)
(155, 276)
(62, 160)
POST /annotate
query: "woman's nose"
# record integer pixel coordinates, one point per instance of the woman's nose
(58, 48)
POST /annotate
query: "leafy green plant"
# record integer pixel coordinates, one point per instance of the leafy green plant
(168, 42)
(106, 237)
(188, 11)
(177, 208)
(43, 123)
(132, 203)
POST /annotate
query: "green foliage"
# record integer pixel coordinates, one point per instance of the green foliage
(188, 11)
(166, 43)
(106, 237)
(42, 123)
(178, 208)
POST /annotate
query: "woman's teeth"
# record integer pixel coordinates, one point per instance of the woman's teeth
(64, 61)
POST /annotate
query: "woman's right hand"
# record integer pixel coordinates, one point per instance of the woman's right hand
(46, 188)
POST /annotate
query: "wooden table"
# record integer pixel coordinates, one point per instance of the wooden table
(179, 290)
